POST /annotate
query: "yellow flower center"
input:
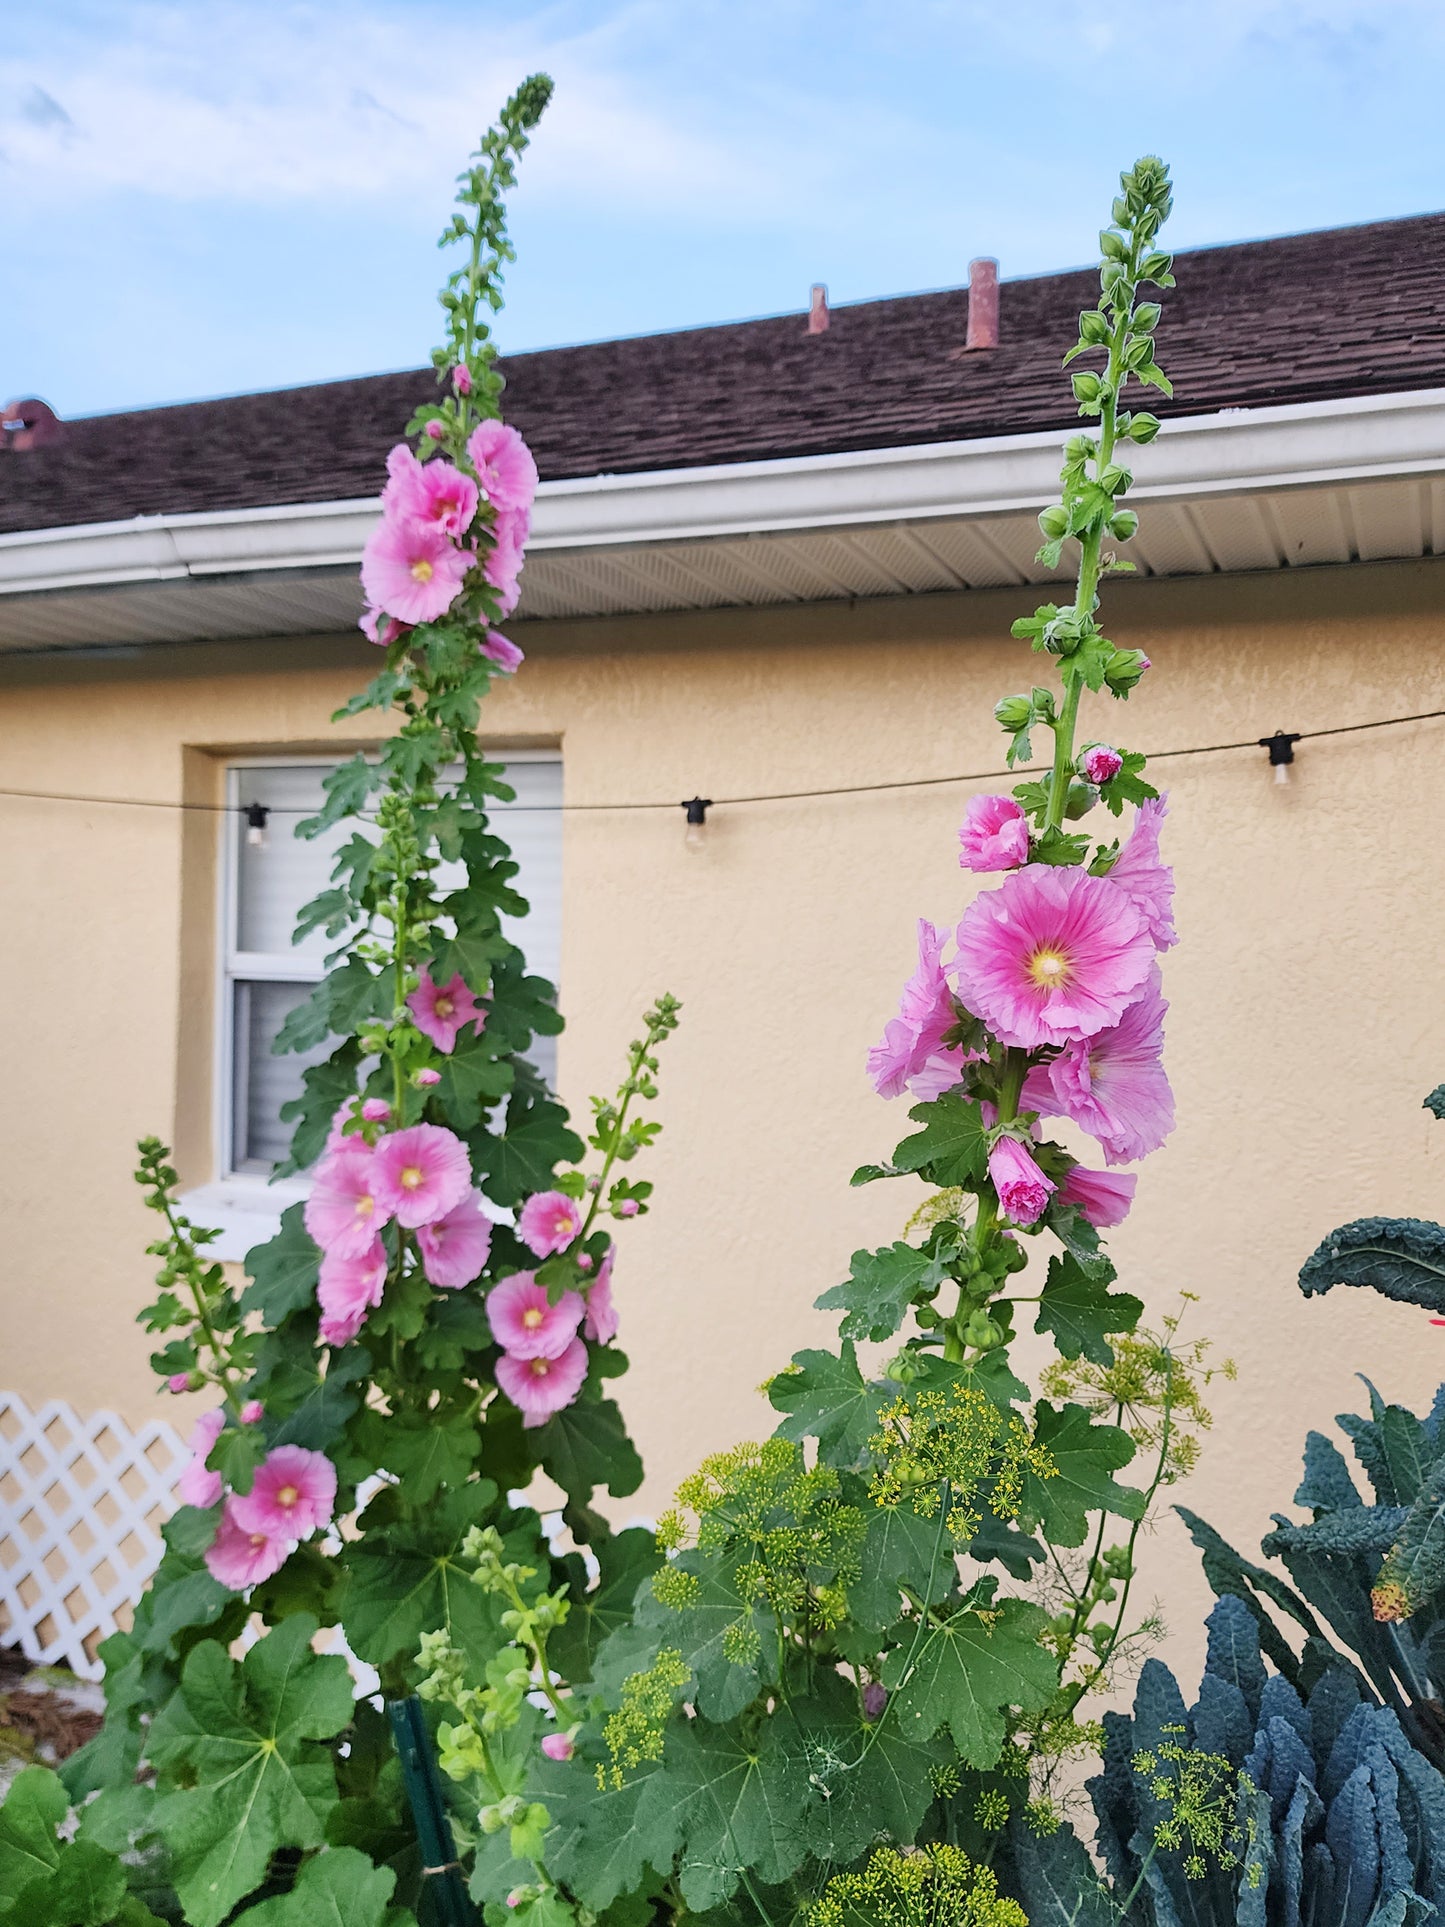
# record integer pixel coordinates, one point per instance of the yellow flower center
(532, 1317)
(540, 1367)
(444, 1006)
(365, 1207)
(1049, 968)
(258, 1538)
(411, 1177)
(421, 570)
(287, 1496)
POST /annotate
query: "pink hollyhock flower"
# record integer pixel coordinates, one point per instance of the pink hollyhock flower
(338, 1138)
(375, 1110)
(198, 1485)
(412, 571)
(1144, 879)
(434, 431)
(252, 1412)
(381, 628)
(911, 1056)
(505, 469)
(421, 1173)
(500, 568)
(462, 379)
(454, 1249)
(496, 648)
(538, 1387)
(525, 1323)
(179, 1382)
(443, 1011)
(1022, 1188)
(427, 1077)
(1100, 764)
(345, 1209)
(549, 1221)
(1104, 1197)
(995, 834)
(601, 1323)
(1051, 955)
(347, 1289)
(293, 1494)
(435, 495)
(242, 1556)
(1114, 1084)
(557, 1746)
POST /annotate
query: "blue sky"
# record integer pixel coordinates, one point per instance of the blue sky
(217, 195)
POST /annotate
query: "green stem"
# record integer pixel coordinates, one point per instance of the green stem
(629, 1090)
(203, 1317)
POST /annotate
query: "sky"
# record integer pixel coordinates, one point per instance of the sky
(223, 195)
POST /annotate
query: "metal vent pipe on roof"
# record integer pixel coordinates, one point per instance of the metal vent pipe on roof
(982, 304)
(28, 424)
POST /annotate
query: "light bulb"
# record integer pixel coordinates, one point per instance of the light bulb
(256, 814)
(696, 836)
(1281, 775)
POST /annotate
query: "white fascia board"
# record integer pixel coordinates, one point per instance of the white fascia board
(1238, 451)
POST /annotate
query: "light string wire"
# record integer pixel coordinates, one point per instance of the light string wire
(721, 802)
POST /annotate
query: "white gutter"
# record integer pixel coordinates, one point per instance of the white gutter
(1301, 445)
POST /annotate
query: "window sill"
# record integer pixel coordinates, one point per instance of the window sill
(245, 1210)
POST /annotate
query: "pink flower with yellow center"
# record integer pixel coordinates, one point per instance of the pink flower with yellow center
(345, 1211)
(242, 1556)
(506, 472)
(347, 1289)
(412, 571)
(442, 1011)
(293, 1494)
(1023, 1190)
(455, 1248)
(549, 1221)
(526, 1323)
(1051, 956)
(541, 1387)
(421, 1173)
(435, 494)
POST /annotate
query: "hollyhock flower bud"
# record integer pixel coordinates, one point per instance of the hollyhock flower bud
(548, 1222)
(526, 1323)
(462, 379)
(1100, 764)
(1013, 712)
(994, 836)
(1124, 668)
(242, 1556)
(179, 1382)
(443, 1011)
(427, 1077)
(434, 431)
(1022, 1188)
(293, 1494)
(557, 1746)
(375, 1110)
(628, 1208)
(252, 1412)
(875, 1698)
(421, 1173)
(584, 1262)
(540, 1387)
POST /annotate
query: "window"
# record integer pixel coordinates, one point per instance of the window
(264, 975)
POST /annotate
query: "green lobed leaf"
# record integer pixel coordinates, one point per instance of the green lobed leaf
(1402, 1258)
(597, 1610)
(283, 1271)
(513, 1166)
(603, 1841)
(585, 1446)
(34, 1807)
(900, 1547)
(969, 1670)
(744, 1806)
(1079, 1310)
(1084, 1454)
(472, 1078)
(406, 1578)
(951, 1149)
(824, 1396)
(338, 1888)
(700, 1631)
(424, 1449)
(880, 1288)
(863, 1779)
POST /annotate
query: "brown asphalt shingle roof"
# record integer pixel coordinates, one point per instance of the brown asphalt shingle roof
(1348, 311)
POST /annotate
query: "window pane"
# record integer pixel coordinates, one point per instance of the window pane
(286, 871)
(261, 1082)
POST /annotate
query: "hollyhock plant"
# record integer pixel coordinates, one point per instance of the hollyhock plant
(293, 1494)
(345, 1209)
(1144, 879)
(347, 1289)
(198, 1485)
(526, 1323)
(1104, 1197)
(242, 1556)
(434, 494)
(506, 472)
(1023, 1190)
(549, 1222)
(454, 1249)
(601, 1321)
(558, 1746)
(1099, 763)
(421, 1173)
(911, 1056)
(443, 1011)
(1114, 1084)
(995, 834)
(542, 1387)
(1051, 955)
(411, 571)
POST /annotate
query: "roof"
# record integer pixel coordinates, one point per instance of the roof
(1310, 317)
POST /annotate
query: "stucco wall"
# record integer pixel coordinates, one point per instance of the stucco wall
(1306, 1020)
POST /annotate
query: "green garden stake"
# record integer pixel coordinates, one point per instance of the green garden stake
(441, 1871)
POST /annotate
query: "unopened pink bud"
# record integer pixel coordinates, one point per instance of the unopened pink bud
(427, 1077)
(515, 1897)
(628, 1208)
(557, 1746)
(375, 1109)
(584, 1263)
(462, 379)
(179, 1382)
(252, 1412)
(434, 431)
(1100, 764)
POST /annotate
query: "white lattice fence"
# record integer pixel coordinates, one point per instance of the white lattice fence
(82, 1502)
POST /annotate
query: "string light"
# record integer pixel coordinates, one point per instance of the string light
(697, 808)
(256, 814)
(1281, 752)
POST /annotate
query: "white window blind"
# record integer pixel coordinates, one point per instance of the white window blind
(265, 975)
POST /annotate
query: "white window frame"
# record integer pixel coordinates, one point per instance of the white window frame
(246, 1205)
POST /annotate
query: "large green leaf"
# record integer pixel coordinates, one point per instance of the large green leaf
(602, 1841)
(339, 1888)
(29, 1850)
(594, 1612)
(880, 1288)
(405, 1579)
(283, 1271)
(1084, 1455)
(952, 1146)
(824, 1396)
(240, 1772)
(900, 1548)
(865, 1779)
(744, 1805)
(473, 1077)
(967, 1672)
(699, 1631)
(426, 1450)
(1416, 1561)
(1080, 1311)
(585, 1446)
(1403, 1258)
(524, 1159)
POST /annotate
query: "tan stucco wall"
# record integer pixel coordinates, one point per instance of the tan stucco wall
(1306, 1023)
